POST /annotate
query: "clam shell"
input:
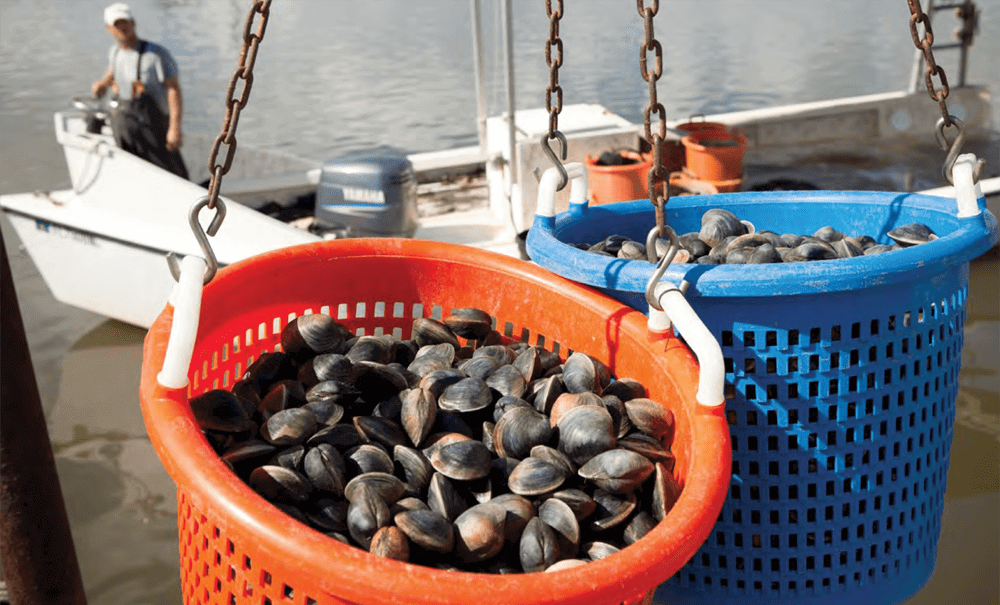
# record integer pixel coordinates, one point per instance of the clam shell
(508, 381)
(341, 436)
(326, 412)
(578, 501)
(504, 404)
(560, 517)
(368, 458)
(666, 491)
(534, 476)
(640, 525)
(598, 550)
(611, 509)
(417, 414)
(624, 389)
(391, 543)
(372, 349)
(388, 487)
(378, 381)
(328, 514)
(335, 391)
(326, 366)
(427, 529)
(462, 460)
(289, 427)
(366, 514)
(469, 323)
(443, 498)
(912, 234)
(650, 417)
(325, 468)
(538, 547)
(564, 402)
(427, 331)
(519, 510)
(501, 353)
(617, 471)
(519, 430)
(220, 410)
(479, 367)
(585, 431)
(565, 564)
(438, 380)
(290, 457)
(546, 391)
(283, 395)
(466, 395)
(415, 468)
(279, 484)
(312, 334)
(647, 446)
(383, 431)
(479, 532)
(529, 363)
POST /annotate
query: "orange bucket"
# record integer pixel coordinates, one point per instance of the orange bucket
(608, 184)
(715, 155)
(236, 547)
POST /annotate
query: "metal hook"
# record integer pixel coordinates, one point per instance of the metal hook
(661, 268)
(563, 175)
(202, 236)
(955, 148)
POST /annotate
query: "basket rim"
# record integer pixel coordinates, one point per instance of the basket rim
(972, 236)
(169, 423)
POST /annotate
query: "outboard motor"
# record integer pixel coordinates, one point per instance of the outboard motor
(368, 194)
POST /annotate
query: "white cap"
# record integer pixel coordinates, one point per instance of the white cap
(118, 10)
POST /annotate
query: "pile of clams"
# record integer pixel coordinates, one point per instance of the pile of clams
(486, 457)
(726, 240)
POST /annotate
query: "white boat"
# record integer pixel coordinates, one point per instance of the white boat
(101, 244)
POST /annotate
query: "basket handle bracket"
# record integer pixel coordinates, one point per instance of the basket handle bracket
(186, 299)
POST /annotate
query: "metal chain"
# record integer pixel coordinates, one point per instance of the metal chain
(917, 15)
(659, 191)
(554, 63)
(244, 70)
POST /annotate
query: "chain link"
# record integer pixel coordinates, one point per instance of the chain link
(234, 104)
(554, 63)
(923, 44)
(659, 190)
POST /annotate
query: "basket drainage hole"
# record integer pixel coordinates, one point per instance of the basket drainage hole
(288, 591)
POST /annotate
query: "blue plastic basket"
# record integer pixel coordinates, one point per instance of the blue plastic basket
(841, 384)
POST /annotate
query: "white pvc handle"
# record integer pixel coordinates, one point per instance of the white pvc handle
(186, 299)
(967, 192)
(546, 205)
(711, 368)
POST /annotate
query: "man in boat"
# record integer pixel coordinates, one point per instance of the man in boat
(148, 122)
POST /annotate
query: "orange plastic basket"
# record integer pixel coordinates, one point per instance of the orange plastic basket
(237, 548)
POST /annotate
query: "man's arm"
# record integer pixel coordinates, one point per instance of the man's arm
(176, 102)
(99, 86)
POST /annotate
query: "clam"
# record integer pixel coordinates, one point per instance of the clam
(248, 452)
(519, 511)
(560, 517)
(617, 471)
(554, 457)
(598, 550)
(309, 335)
(717, 224)
(383, 431)
(417, 414)
(578, 501)
(328, 514)
(501, 353)
(811, 251)
(378, 381)
(624, 389)
(508, 381)
(582, 373)
(647, 446)
(438, 380)
(610, 510)
(289, 427)
(880, 248)
(690, 242)
(326, 366)
(828, 234)
(326, 412)
(790, 240)
(640, 525)
(584, 432)
(462, 460)
(390, 409)
(290, 457)
(368, 458)
(333, 391)
(565, 564)
(632, 250)
(505, 404)
(341, 436)
(220, 410)
(847, 249)
(442, 497)
(470, 323)
(479, 367)
(325, 468)
(423, 365)
(407, 504)
(619, 415)
(912, 234)
(388, 487)
(366, 514)
(666, 491)
(466, 395)
(519, 430)
(279, 484)
(538, 547)
(650, 417)
(268, 368)
(534, 476)
(566, 401)
(529, 363)
(479, 532)
(282, 395)
(546, 392)
(372, 349)
(391, 543)
(763, 255)
(427, 331)
(427, 529)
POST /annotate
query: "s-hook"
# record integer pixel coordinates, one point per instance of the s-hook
(557, 160)
(173, 261)
(955, 148)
